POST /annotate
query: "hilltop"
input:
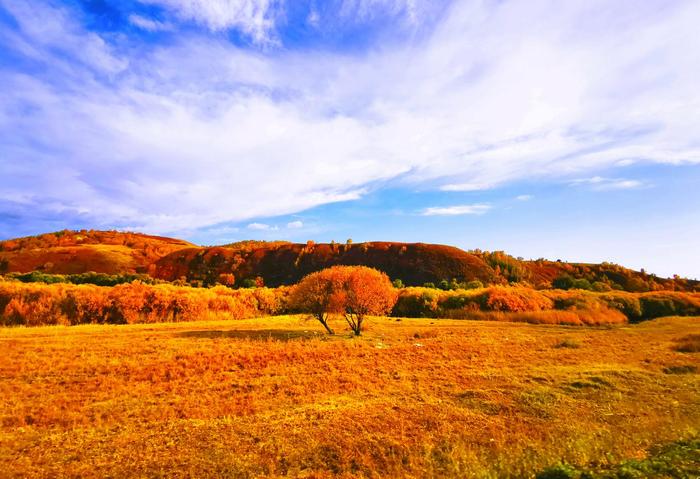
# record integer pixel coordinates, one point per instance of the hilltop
(71, 252)
(281, 262)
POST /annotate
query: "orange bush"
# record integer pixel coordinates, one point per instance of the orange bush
(34, 304)
(516, 300)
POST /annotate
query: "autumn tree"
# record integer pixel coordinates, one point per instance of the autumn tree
(318, 294)
(353, 291)
(366, 292)
(227, 279)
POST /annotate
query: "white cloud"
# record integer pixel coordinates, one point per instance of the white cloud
(524, 197)
(313, 18)
(601, 183)
(255, 18)
(259, 227)
(295, 224)
(201, 132)
(468, 186)
(149, 24)
(476, 209)
(44, 27)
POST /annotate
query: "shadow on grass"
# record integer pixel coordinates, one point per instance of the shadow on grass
(255, 335)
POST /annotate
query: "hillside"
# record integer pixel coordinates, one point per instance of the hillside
(70, 252)
(414, 264)
(280, 262)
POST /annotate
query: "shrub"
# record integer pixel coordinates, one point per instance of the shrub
(248, 283)
(626, 303)
(582, 283)
(34, 304)
(516, 300)
(475, 284)
(563, 282)
(416, 303)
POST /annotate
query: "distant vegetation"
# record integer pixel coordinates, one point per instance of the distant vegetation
(545, 306)
(99, 279)
(111, 277)
(276, 263)
(68, 304)
(351, 293)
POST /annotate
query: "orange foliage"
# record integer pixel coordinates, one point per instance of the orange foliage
(516, 300)
(367, 292)
(34, 304)
(354, 291)
(586, 307)
(317, 294)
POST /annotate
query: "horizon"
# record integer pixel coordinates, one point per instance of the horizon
(562, 131)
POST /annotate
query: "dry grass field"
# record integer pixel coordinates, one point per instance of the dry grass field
(410, 398)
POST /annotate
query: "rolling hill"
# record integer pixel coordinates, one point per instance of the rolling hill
(281, 263)
(71, 252)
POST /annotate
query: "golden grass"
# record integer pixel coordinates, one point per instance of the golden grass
(275, 397)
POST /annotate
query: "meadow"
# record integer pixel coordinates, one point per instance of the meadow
(276, 397)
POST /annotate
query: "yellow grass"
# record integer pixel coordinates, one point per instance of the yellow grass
(275, 397)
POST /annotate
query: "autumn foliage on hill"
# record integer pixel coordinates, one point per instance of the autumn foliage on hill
(282, 263)
(76, 252)
(286, 263)
(354, 292)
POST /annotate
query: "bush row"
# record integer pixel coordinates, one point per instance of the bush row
(36, 304)
(590, 307)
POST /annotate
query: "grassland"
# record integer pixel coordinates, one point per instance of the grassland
(410, 398)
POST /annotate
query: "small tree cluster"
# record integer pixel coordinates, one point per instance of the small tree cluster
(352, 291)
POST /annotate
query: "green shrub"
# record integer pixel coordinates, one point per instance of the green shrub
(475, 284)
(563, 282)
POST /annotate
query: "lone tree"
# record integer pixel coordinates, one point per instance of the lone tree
(318, 294)
(367, 292)
(353, 291)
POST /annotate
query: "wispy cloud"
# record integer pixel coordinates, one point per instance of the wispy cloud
(601, 183)
(255, 18)
(149, 24)
(468, 186)
(260, 227)
(475, 209)
(295, 224)
(524, 197)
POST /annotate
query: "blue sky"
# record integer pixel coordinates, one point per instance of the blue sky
(547, 129)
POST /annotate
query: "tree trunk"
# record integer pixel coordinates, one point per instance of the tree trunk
(322, 318)
(355, 323)
(325, 325)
